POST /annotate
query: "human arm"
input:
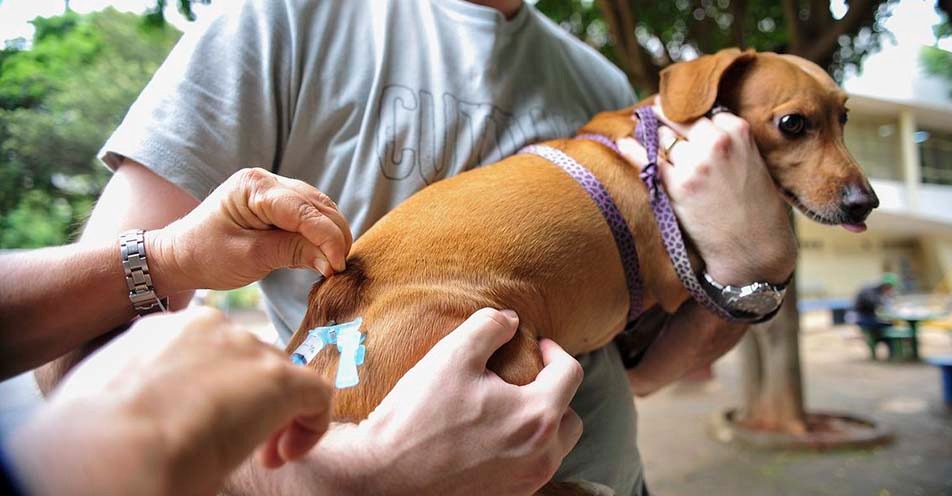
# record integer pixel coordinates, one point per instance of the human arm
(449, 426)
(147, 415)
(253, 223)
(57, 299)
(728, 206)
(691, 338)
(724, 198)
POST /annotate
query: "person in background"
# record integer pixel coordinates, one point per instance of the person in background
(872, 299)
(867, 306)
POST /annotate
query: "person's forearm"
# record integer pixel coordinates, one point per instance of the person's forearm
(692, 338)
(53, 300)
(50, 456)
(334, 466)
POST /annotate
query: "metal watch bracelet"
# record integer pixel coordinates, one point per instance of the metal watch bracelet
(136, 268)
(752, 303)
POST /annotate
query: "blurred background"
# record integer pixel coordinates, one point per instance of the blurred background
(811, 404)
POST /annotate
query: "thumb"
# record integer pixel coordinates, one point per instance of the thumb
(476, 339)
(633, 152)
(283, 249)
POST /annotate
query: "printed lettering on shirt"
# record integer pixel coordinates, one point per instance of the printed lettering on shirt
(426, 137)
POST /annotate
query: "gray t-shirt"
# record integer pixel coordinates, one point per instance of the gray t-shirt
(370, 101)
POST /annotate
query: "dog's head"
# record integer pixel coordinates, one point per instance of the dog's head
(796, 114)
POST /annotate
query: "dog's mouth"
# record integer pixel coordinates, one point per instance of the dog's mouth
(835, 220)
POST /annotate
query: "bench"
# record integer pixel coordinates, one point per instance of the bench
(900, 341)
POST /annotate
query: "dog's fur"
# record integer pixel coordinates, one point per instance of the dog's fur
(522, 234)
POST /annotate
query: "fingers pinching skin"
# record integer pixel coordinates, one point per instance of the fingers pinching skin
(561, 376)
(558, 382)
(252, 224)
(286, 209)
(477, 338)
(326, 210)
(323, 203)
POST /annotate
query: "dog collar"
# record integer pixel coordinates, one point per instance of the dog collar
(646, 132)
(624, 240)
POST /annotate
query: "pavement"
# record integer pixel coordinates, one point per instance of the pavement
(682, 458)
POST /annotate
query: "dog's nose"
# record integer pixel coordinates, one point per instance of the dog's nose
(858, 201)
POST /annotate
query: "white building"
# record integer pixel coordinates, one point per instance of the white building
(900, 131)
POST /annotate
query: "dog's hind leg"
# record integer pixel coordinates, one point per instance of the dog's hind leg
(519, 360)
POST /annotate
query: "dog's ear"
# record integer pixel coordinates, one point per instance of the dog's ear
(689, 89)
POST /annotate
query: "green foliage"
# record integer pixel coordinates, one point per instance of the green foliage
(677, 30)
(59, 101)
(244, 298)
(48, 219)
(583, 19)
(156, 14)
(938, 62)
(935, 60)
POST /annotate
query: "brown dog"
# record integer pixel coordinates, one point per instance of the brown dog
(522, 234)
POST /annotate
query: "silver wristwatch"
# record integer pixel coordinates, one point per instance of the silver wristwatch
(134, 263)
(754, 302)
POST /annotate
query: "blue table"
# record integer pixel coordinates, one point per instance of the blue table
(945, 368)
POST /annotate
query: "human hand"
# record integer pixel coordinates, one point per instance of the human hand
(253, 223)
(724, 198)
(166, 412)
(450, 426)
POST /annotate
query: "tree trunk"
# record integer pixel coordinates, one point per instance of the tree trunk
(771, 382)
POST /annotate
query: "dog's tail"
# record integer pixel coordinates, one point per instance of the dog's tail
(334, 299)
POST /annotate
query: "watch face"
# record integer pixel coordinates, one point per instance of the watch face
(752, 301)
(759, 302)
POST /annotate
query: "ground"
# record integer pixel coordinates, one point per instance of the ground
(681, 458)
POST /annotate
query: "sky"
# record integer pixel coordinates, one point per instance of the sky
(894, 73)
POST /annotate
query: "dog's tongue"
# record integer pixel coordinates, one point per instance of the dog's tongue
(855, 228)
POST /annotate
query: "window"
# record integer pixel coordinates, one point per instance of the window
(935, 155)
(874, 142)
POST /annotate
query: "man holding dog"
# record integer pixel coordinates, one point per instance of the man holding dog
(427, 89)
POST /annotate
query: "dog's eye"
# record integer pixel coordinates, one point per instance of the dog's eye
(793, 124)
(844, 117)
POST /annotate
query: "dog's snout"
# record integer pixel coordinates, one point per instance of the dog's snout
(858, 201)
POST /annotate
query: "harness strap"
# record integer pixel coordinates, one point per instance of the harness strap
(600, 138)
(646, 132)
(624, 240)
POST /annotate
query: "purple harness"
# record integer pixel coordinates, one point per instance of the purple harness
(646, 132)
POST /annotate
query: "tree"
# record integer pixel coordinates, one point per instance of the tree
(156, 14)
(59, 100)
(644, 37)
(937, 61)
